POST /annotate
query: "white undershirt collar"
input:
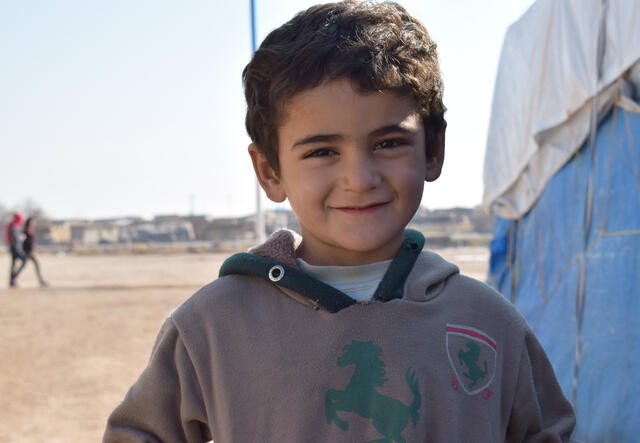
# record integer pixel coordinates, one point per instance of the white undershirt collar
(358, 282)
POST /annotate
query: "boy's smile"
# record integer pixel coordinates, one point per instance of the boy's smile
(353, 167)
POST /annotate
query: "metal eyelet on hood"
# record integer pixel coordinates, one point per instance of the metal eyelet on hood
(276, 273)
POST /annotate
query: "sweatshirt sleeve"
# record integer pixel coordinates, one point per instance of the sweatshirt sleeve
(540, 411)
(165, 403)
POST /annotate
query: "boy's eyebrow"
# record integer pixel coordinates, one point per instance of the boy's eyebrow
(328, 138)
(393, 128)
(320, 138)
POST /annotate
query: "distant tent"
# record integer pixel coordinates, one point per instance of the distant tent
(562, 176)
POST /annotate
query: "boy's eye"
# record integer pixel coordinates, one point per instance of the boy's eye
(390, 143)
(321, 152)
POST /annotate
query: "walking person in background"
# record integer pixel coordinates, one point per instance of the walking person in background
(29, 246)
(13, 237)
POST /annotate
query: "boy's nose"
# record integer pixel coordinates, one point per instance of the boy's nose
(360, 173)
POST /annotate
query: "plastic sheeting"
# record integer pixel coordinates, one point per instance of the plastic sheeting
(571, 265)
(555, 60)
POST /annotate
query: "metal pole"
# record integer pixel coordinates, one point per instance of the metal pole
(260, 225)
(252, 4)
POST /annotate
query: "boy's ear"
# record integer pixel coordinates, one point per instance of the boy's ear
(267, 177)
(436, 159)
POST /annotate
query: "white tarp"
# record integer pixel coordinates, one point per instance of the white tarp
(548, 77)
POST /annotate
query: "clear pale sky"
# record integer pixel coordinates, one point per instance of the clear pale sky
(121, 107)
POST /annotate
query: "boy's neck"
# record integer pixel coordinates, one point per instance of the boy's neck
(330, 256)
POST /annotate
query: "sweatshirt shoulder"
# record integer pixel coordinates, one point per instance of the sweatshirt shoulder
(483, 302)
(219, 298)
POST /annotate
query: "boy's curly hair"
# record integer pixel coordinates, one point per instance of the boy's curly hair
(379, 46)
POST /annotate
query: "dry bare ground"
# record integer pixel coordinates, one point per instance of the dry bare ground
(69, 352)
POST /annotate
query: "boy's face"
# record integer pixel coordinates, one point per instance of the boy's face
(353, 167)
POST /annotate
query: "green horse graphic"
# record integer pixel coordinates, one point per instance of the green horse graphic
(388, 416)
(470, 360)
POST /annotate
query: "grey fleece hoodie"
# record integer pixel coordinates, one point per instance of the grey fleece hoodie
(265, 353)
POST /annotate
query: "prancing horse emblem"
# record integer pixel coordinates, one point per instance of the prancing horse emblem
(470, 360)
(472, 354)
(389, 416)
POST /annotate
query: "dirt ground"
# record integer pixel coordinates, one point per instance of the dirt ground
(69, 352)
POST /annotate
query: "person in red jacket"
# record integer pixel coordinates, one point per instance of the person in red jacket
(13, 237)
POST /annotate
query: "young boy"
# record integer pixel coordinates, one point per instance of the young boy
(352, 332)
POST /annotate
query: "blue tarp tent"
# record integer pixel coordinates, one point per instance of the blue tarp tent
(566, 246)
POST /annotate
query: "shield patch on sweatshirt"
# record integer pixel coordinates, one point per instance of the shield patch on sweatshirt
(472, 355)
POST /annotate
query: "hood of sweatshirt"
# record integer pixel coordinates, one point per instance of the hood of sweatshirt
(414, 274)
